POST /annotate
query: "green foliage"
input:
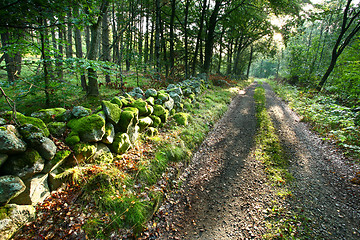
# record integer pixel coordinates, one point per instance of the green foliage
(330, 119)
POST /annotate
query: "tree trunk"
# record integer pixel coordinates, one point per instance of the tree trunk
(79, 54)
(59, 58)
(69, 50)
(93, 86)
(157, 37)
(229, 57)
(171, 36)
(45, 57)
(186, 39)
(250, 60)
(87, 39)
(203, 11)
(209, 43)
(9, 59)
(105, 43)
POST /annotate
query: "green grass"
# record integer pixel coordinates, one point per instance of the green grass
(327, 117)
(282, 223)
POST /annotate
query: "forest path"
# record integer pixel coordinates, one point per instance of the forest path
(225, 193)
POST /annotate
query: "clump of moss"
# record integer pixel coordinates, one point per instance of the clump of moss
(182, 118)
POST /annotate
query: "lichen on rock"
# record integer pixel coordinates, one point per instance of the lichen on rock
(48, 115)
(112, 111)
(89, 129)
(121, 143)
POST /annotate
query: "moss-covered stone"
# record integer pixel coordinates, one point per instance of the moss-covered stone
(129, 116)
(172, 112)
(151, 132)
(151, 92)
(90, 128)
(165, 116)
(182, 118)
(80, 111)
(102, 155)
(48, 115)
(156, 120)
(188, 106)
(117, 100)
(121, 143)
(37, 122)
(57, 129)
(54, 163)
(84, 151)
(64, 117)
(143, 107)
(144, 123)
(23, 165)
(109, 135)
(72, 139)
(112, 111)
(192, 96)
(151, 101)
(10, 140)
(163, 96)
(159, 110)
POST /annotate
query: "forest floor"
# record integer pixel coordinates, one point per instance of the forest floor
(226, 194)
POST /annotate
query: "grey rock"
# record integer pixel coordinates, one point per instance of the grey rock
(138, 90)
(2, 121)
(23, 165)
(176, 90)
(54, 181)
(46, 148)
(10, 141)
(80, 111)
(169, 104)
(64, 117)
(151, 92)
(36, 191)
(171, 86)
(102, 155)
(57, 129)
(3, 158)
(10, 187)
(108, 138)
(175, 97)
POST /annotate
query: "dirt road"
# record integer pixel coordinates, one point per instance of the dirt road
(225, 193)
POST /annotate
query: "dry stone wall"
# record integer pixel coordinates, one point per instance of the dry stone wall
(32, 156)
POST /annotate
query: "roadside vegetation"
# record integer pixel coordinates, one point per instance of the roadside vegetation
(282, 222)
(335, 122)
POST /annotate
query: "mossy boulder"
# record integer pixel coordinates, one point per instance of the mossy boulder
(145, 122)
(151, 132)
(133, 133)
(156, 120)
(109, 135)
(72, 139)
(144, 108)
(163, 96)
(23, 165)
(117, 100)
(84, 151)
(64, 117)
(102, 154)
(48, 115)
(10, 140)
(121, 143)
(112, 111)
(37, 122)
(10, 187)
(89, 129)
(57, 129)
(80, 112)
(129, 117)
(181, 118)
(158, 110)
(165, 116)
(150, 101)
(169, 104)
(59, 158)
(151, 92)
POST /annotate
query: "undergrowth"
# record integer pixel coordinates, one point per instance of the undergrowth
(128, 191)
(331, 120)
(282, 223)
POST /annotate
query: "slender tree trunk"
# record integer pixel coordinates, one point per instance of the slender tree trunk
(9, 60)
(250, 61)
(163, 43)
(157, 37)
(87, 39)
(59, 58)
(146, 47)
(79, 54)
(203, 11)
(69, 50)
(220, 51)
(186, 38)
(171, 36)
(45, 58)
(105, 43)
(209, 43)
(229, 56)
